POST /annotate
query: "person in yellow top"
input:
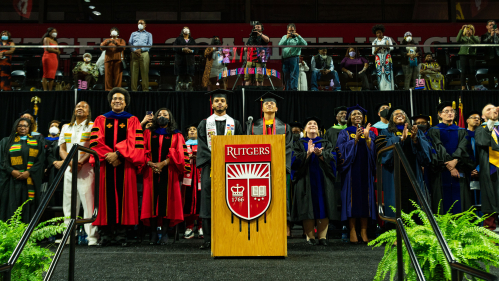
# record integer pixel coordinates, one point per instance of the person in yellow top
(430, 71)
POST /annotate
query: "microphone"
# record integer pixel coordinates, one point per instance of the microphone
(248, 127)
(250, 119)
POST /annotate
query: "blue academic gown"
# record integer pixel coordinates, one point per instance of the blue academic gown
(418, 155)
(357, 168)
(450, 142)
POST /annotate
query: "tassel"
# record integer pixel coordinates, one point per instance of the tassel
(390, 104)
(430, 122)
(454, 105)
(211, 108)
(261, 109)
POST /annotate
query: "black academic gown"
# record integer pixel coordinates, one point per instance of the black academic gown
(282, 128)
(303, 201)
(51, 155)
(13, 193)
(450, 142)
(203, 161)
(487, 151)
(332, 137)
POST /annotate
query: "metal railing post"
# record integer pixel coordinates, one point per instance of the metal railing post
(74, 192)
(398, 214)
(7, 275)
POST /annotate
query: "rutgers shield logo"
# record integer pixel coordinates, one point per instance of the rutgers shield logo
(247, 175)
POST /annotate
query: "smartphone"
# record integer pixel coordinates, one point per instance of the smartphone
(495, 26)
(149, 113)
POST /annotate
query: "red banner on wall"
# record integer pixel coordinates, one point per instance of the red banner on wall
(23, 7)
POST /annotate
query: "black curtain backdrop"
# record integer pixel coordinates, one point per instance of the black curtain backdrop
(192, 107)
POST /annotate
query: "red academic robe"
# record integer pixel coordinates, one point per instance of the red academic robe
(191, 188)
(118, 202)
(162, 198)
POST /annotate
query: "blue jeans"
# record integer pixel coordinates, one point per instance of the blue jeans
(291, 71)
(317, 75)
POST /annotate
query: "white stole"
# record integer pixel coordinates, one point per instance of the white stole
(211, 127)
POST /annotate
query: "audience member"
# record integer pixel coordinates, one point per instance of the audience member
(50, 59)
(184, 60)
(290, 57)
(302, 78)
(34, 127)
(323, 69)
(467, 55)
(140, 56)
(430, 70)
(21, 171)
(383, 110)
(410, 61)
(54, 130)
(383, 58)
(5, 61)
(354, 68)
(491, 53)
(214, 65)
(253, 60)
(85, 71)
(113, 60)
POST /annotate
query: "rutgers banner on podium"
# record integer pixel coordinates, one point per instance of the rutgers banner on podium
(248, 196)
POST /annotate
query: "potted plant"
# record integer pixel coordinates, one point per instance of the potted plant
(34, 259)
(470, 244)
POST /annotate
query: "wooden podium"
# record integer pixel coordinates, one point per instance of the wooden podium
(262, 236)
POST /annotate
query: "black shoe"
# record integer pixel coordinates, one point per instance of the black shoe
(104, 243)
(164, 239)
(311, 242)
(354, 243)
(153, 240)
(205, 246)
(322, 242)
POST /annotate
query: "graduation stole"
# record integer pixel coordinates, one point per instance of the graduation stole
(494, 155)
(17, 161)
(265, 129)
(211, 126)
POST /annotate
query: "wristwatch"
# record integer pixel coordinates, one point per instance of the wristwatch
(120, 156)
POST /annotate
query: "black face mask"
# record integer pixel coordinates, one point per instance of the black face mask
(384, 113)
(423, 128)
(162, 121)
(216, 42)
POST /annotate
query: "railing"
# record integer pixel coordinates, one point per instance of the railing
(456, 268)
(6, 268)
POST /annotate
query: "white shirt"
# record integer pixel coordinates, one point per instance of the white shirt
(78, 133)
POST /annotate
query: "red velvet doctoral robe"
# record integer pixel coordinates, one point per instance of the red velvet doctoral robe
(162, 197)
(118, 202)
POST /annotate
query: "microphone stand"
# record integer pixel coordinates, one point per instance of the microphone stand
(238, 75)
(248, 126)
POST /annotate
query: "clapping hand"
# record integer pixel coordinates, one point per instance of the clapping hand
(318, 151)
(414, 133)
(311, 148)
(404, 133)
(366, 131)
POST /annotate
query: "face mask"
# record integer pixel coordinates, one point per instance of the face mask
(54, 131)
(352, 54)
(86, 59)
(162, 121)
(5, 38)
(422, 127)
(408, 39)
(384, 113)
(141, 26)
(54, 35)
(186, 31)
(114, 33)
(324, 56)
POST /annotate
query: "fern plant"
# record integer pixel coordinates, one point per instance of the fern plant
(34, 260)
(470, 244)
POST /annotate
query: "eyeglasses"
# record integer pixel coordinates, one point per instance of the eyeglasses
(22, 126)
(398, 114)
(422, 123)
(449, 112)
(119, 98)
(474, 118)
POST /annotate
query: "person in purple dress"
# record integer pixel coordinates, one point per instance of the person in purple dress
(354, 68)
(315, 198)
(357, 165)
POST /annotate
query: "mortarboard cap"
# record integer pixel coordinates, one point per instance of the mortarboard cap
(472, 112)
(379, 105)
(357, 107)
(29, 111)
(315, 118)
(416, 117)
(269, 96)
(442, 105)
(296, 124)
(339, 108)
(219, 93)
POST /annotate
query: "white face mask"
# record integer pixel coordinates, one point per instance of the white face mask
(54, 131)
(408, 39)
(324, 57)
(54, 35)
(87, 59)
(114, 33)
(141, 26)
(186, 31)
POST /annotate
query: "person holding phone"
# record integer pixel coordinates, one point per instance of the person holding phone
(467, 55)
(147, 121)
(290, 57)
(491, 53)
(113, 60)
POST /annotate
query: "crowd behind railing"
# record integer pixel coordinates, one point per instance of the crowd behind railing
(138, 65)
